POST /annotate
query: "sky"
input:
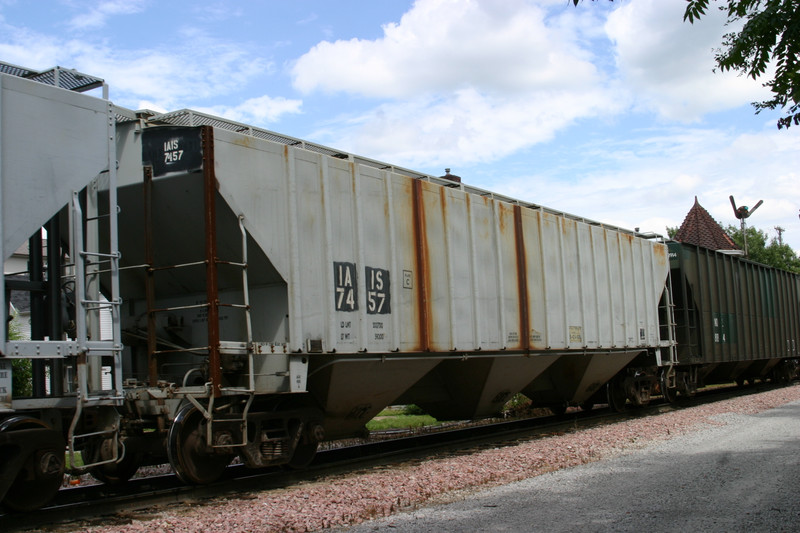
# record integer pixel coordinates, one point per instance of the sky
(609, 111)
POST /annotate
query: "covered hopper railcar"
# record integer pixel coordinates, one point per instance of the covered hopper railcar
(736, 320)
(264, 293)
(208, 290)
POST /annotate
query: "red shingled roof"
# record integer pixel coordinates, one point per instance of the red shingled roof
(700, 229)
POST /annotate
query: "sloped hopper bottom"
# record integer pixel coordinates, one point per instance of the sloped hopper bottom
(352, 391)
(475, 387)
(573, 379)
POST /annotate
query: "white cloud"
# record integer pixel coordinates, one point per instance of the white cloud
(466, 126)
(448, 45)
(655, 186)
(669, 64)
(29, 50)
(258, 111)
(168, 79)
(466, 80)
(195, 68)
(98, 13)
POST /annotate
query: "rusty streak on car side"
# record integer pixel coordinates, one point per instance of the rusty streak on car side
(423, 274)
(212, 288)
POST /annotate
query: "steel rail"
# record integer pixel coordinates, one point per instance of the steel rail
(81, 507)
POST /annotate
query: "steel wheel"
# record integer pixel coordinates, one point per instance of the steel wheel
(42, 472)
(112, 473)
(616, 395)
(190, 456)
(303, 455)
(671, 395)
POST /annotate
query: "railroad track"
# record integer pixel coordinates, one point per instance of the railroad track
(108, 505)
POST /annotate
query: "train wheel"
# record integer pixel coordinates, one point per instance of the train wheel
(617, 395)
(303, 455)
(670, 394)
(193, 460)
(112, 473)
(42, 471)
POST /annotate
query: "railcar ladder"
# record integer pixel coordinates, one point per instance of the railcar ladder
(670, 343)
(89, 264)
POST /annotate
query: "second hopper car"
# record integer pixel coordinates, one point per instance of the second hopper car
(737, 320)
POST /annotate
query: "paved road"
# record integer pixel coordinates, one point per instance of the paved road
(740, 477)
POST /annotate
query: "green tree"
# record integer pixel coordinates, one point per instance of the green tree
(770, 36)
(22, 375)
(763, 250)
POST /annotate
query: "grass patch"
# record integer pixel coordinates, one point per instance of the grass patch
(401, 421)
(401, 417)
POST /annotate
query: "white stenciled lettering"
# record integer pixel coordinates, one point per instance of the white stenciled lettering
(377, 279)
(378, 291)
(173, 156)
(375, 301)
(345, 278)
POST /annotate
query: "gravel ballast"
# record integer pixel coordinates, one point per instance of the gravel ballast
(353, 498)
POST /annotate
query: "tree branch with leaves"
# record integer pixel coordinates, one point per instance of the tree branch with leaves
(770, 35)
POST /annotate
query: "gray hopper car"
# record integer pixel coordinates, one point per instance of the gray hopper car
(208, 290)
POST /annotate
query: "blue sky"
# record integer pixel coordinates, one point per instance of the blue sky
(610, 111)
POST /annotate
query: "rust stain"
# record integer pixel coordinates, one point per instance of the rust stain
(481, 219)
(501, 212)
(245, 140)
(660, 251)
(443, 203)
(423, 273)
(522, 281)
(568, 226)
(546, 220)
(212, 287)
(386, 209)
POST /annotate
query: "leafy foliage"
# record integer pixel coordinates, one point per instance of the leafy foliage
(413, 410)
(771, 34)
(762, 250)
(21, 371)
